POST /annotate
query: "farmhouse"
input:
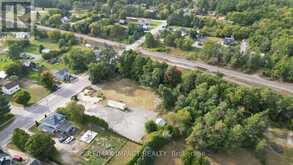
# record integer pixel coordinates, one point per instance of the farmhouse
(55, 123)
(10, 88)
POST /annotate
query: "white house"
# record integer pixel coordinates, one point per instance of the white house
(10, 88)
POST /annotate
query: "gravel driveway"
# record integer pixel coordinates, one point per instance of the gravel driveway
(129, 124)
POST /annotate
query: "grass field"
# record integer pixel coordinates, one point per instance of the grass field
(5, 61)
(125, 154)
(36, 91)
(131, 93)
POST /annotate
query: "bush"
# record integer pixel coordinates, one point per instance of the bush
(19, 138)
(22, 97)
(260, 151)
(150, 126)
(96, 121)
(190, 157)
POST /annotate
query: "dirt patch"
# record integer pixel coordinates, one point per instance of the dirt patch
(172, 154)
(131, 93)
(239, 157)
(125, 154)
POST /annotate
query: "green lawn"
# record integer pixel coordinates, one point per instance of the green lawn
(5, 61)
(51, 67)
(36, 91)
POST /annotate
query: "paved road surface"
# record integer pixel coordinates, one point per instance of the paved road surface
(25, 118)
(230, 75)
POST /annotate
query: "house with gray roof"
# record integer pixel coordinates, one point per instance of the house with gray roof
(10, 88)
(56, 123)
(63, 75)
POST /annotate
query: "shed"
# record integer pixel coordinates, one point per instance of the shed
(160, 122)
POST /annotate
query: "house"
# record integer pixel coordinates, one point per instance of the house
(10, 88)
(63, 75)
(3, 75)
(229, 40)
(144, 24)
(56, 124)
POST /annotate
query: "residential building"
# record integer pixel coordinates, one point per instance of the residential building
(63, 75)
(229, 40)
(56, 124)
(10, 88)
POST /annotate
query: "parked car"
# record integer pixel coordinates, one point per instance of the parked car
(62, 139)
(17, 158)
(69, 140)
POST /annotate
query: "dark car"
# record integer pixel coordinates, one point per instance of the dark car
(62, 139)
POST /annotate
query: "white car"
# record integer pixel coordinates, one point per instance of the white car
(69, 140)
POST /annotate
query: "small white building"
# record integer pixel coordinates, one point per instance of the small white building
(10, 88)
(45, 51)
(3, 75)
(116, 104)
(88, 136)
(22, 35)
(64, 19)
(160, 122)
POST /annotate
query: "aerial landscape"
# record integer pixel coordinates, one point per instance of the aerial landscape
(146, 82)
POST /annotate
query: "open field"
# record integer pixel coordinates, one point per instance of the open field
(37, 91)
(131, 93)
(125, 154)
(5, 61)
(173, 151)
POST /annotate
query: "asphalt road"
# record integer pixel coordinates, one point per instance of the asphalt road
(230, 75)
(26, 117)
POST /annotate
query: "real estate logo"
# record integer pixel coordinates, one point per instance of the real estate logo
(16, 15)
